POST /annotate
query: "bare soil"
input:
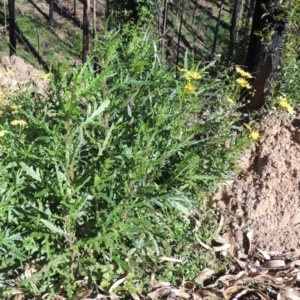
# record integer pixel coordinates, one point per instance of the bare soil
(16, 74)
(265, 198)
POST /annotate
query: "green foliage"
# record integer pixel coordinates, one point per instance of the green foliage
(123, 11)
(112, 168)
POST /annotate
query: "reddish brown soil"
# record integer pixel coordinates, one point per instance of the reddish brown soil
(265, 198)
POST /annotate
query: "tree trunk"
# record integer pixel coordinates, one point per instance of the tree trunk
(165, 19)
(133, 7)
(51, 20)
(214, 47)
(233, 27)
(95, 58)
(179, 34)
(12, 28)
(74, 8)
(86, 30)
(264, 51)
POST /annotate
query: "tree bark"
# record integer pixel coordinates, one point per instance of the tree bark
(233, 27)
(264, 52)
(213, 51)
(51, 20)
(86, 30)
(12, 28)
(74, 8)
(133, 7)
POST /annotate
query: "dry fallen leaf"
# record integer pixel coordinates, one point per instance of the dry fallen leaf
(81, 295)
(264, 254)
(108, 297)
(250, 237)
(171, 259)
(221, 248)
(274, 264)
(135, 296)
(116, 284)
(205, 274)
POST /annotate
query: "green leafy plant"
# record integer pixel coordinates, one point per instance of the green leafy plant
(108, 172)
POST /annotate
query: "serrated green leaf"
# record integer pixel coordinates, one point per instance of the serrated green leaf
(31, 172)
(53, 227)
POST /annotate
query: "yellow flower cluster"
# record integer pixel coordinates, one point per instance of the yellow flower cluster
(283, 102)
(21, 122)
(230, 100)
(189, 87)
(10, 73)
(15, 109)
(244, 83)
(243, 73)
(241, 80)
(2, 133)
(190, 76)
(252, 134)
(4, 95)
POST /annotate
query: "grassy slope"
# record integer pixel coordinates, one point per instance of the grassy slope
(64, 40)
(38, 38)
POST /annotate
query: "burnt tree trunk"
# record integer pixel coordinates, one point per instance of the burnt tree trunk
(179, 33)
(51, 20)
(264, 50)
(12, 28)
(74, 8)
(86, 30)
(251, 8)
(132, 6)
(233, 27)
(214, 47)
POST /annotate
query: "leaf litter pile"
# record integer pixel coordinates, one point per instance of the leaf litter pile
(259, 226)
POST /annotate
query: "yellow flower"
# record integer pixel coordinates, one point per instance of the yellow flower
(9, 73)
(18, 122)
(2, 133)
(182, 70)
(243, 73)
(193, 75)
(189, 88)
(46, 76)
(2, 95)
(283, 102)
(230, 100)
(243, 83)
(283, 99)
(253, 135)
(13, 106)
(248, 127)
(290, 110)
(41, 75)
(15, 109)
